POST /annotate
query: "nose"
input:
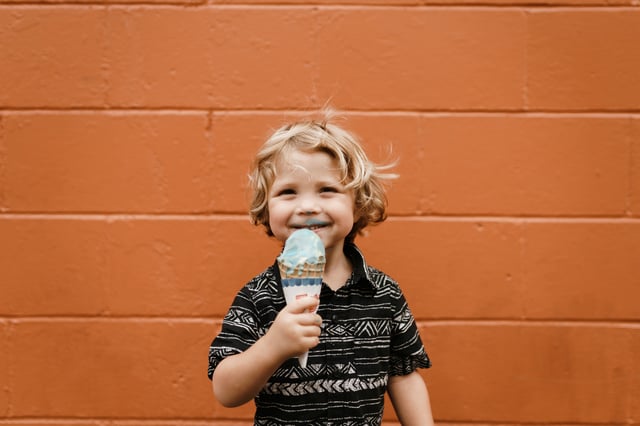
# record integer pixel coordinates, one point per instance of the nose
(308, 205)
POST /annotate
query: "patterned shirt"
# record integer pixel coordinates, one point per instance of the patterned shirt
(368, 333)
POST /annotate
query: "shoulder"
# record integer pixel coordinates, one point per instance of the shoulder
(376, 274)
(264, 281)
(263, 292)
(383, 283)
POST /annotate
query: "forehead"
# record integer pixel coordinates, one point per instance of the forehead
(314, 162)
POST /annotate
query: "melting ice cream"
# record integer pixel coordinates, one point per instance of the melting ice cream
(301, 266)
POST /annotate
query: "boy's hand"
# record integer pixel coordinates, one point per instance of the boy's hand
(240, 377)
(296, 329)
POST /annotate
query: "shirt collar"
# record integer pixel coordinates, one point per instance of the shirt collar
(360, 268)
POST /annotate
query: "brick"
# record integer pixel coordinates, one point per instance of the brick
(503, 269)
(50, 422)
(437, 2)
(580, 59)
(211, 57)
(539, 2)
(634, 199)
(52, 57)
(632, 397)
(159, 56)
(127, 266)
(366, 62)
(214, 422)
(4, 368)
(84, 2)
(107, 162)
(471, 164)
(581, 270)
(451, 269)
(122, 369)
(518, 372)
(504, 165)
(264, 57)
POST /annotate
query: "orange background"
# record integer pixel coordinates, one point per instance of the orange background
(126, 131)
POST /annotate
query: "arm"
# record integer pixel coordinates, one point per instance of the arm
(410, 399)
(239, 378)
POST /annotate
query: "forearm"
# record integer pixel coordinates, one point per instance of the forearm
(410, 399)
(239, 378)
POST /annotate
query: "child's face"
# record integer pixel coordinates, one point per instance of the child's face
(307, 193)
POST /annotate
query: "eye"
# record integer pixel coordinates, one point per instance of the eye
(328, 189)
(285, 191)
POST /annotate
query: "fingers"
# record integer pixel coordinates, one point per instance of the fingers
(303, 304)
(305, 308)
(311, 335)
(311, 322)
(299, 326)
(308, 318)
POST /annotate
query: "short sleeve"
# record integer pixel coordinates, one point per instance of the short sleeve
(407, 350)
(239, 331)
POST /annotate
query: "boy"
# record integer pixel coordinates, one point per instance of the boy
(363, 341)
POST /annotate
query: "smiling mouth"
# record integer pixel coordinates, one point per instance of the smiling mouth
(312, 225)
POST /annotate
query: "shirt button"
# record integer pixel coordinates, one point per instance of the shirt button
(335, 317)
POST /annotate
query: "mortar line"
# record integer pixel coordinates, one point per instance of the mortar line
(149, 110)
(117, 216)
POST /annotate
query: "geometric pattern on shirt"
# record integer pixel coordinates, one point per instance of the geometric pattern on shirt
(240, 317)
(352, 384)
(364, 421)
(315, 370)
(403, 320)
(371, 328)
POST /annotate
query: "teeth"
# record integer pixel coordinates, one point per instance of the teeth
(310, 227)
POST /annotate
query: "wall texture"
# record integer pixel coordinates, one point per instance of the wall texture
(126, 130)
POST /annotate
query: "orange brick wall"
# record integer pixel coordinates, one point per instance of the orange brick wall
(126, 129)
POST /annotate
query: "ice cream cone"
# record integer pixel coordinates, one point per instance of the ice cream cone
(301, 267)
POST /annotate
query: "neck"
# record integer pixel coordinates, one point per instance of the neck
(337, 269)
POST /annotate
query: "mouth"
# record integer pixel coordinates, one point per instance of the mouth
(312, 225)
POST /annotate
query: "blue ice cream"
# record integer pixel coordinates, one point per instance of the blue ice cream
(303, 247)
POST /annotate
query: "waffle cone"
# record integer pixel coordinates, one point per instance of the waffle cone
(307, 270)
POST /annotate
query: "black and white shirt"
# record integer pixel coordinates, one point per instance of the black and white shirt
(368, 334)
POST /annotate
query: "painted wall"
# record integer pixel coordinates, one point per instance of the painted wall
(126, 131)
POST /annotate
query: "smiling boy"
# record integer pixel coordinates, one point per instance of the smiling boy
(363, 341)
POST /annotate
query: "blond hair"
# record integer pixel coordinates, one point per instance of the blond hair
(358, 173)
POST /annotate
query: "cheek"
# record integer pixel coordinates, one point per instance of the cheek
(277, 212)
